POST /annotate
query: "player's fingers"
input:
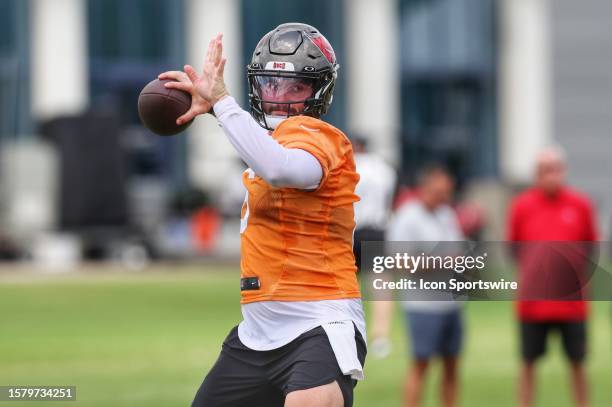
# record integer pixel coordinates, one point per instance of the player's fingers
(184, 86)
(176, 75)
(169, 75)
(209, 53)
(187, 117)
(218, 49)
(191, 73)
(221, 67)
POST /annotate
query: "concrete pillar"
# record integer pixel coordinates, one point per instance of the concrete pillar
(372, 66)
(525, 86)
(210, 155)
(59, 57)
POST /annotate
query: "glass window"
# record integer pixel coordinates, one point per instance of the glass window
(139, 30)
(448, 65)
(130, 43)
(15, 115)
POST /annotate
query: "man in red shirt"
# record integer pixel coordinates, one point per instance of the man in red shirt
(552, 212)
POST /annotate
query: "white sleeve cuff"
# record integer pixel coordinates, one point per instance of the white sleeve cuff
(226, 106)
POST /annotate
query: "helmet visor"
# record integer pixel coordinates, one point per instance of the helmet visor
(283, 96)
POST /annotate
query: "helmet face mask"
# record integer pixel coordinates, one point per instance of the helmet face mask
(292, 72)
(283, 95)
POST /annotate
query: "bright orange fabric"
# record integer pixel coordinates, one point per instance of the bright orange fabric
(299, 243)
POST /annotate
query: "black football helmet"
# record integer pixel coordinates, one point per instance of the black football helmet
(292, 56)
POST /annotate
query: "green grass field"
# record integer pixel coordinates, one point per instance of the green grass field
(148, 339)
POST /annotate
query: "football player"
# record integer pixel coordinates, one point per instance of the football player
(301, 340)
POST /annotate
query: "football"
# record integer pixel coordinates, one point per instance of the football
(159, 107)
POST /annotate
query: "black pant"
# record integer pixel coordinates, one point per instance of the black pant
(246, 377)
(534, 337)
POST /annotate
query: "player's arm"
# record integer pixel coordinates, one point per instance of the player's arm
(279, 166)
(382, 309)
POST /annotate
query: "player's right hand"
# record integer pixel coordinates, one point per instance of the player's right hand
(182, 82)
(210, 84)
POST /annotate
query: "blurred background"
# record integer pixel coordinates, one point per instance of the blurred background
(480, 85)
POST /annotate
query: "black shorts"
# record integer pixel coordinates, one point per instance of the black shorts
(534, 337)
(246, 377)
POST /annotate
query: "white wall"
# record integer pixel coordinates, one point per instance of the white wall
(525, 86)
(28, 188)
(373, 93)
(210, 156)
(59, 57)
(582, 119)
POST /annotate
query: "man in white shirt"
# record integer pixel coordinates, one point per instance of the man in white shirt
(435, 327)
(375, 189)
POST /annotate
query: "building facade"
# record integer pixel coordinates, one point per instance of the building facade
(478, 84)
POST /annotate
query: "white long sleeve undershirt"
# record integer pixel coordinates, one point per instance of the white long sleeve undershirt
(277, 165)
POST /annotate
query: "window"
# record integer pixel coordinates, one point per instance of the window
(130, 43)
(15, 115)
(448, 54)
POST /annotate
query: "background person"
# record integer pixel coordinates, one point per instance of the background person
(435, 327)
(551, 211)
(376, 186)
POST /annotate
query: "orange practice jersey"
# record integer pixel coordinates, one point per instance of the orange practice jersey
(299, 243)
